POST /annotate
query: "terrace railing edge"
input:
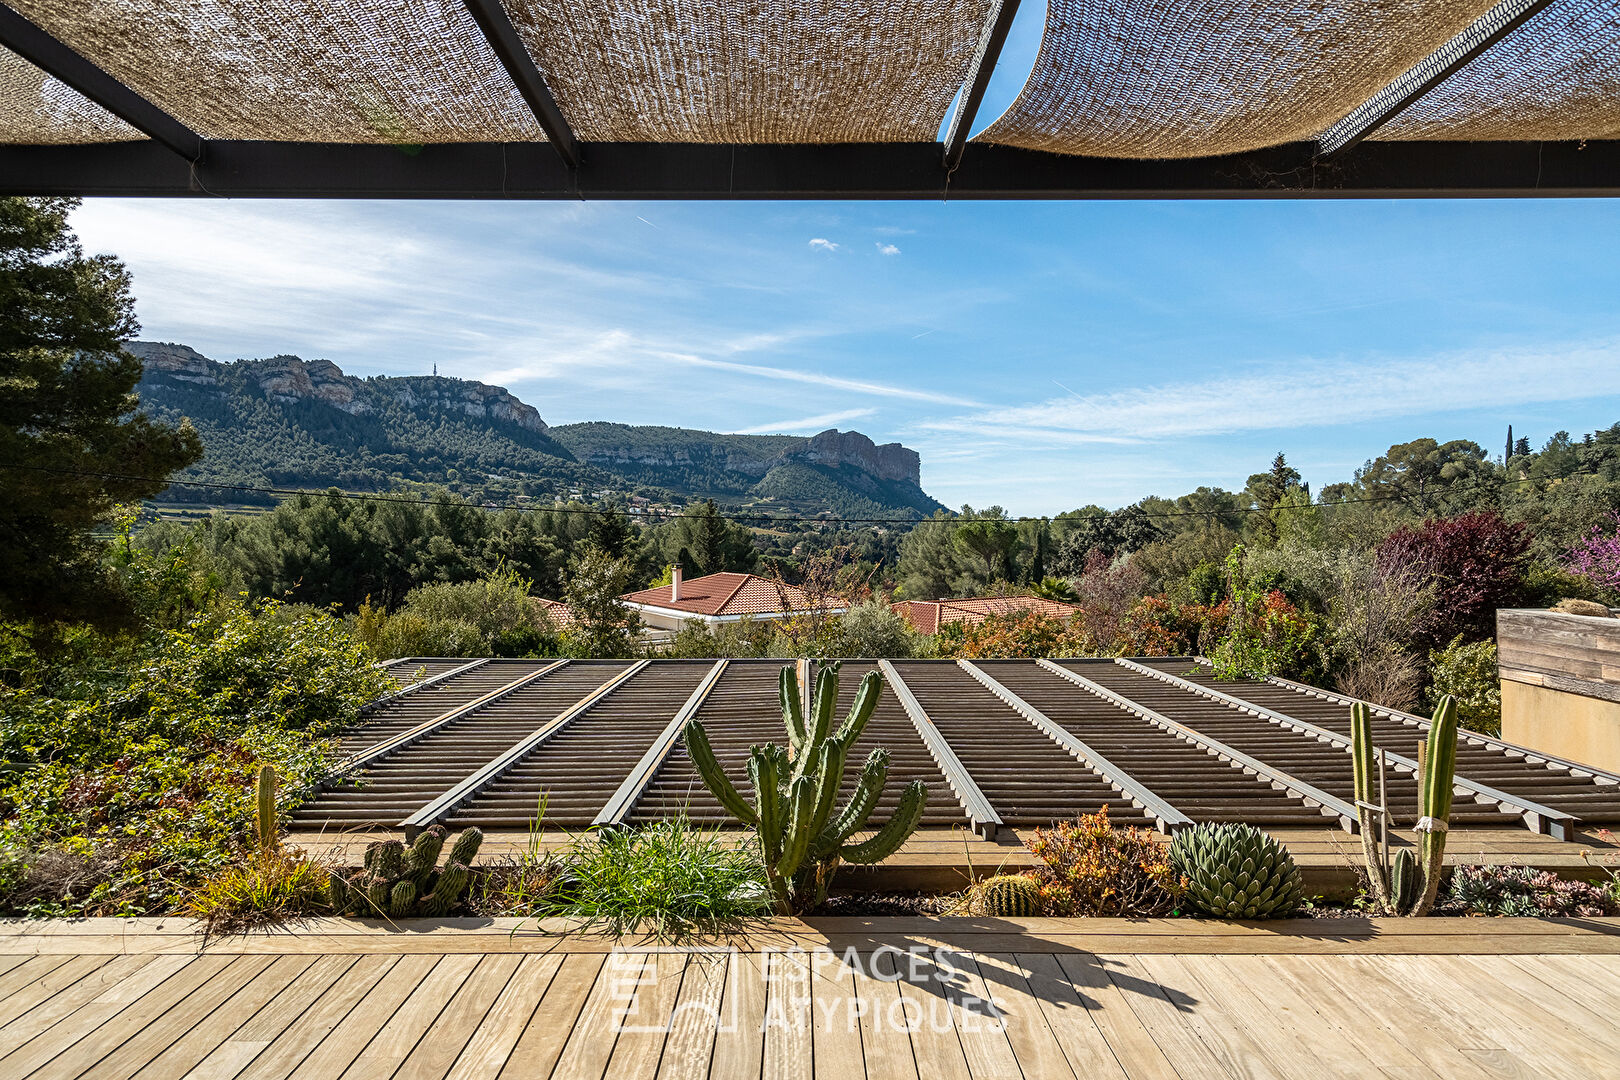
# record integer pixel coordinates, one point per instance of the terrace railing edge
(981, 813)
(624, 798)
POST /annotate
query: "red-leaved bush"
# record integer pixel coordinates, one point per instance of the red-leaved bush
(1476, 562)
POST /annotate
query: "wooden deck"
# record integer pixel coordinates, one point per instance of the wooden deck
(1032, 999)
(942, 860)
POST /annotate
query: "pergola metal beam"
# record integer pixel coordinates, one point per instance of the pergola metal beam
(53, 57)
(979, 72)
(848, 171)
(1430, 72)
(492, 19)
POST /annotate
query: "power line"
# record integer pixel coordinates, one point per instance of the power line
(738, 517)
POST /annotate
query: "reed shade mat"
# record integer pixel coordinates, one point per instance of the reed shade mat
(383, 71)
(752, 71)
(1556, 77)
(1593, 798)
(36, 108)
(1141, 79)
(405, 671)
(401, 714)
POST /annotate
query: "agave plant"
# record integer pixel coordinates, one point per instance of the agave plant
(801, 841)
(1236, 871)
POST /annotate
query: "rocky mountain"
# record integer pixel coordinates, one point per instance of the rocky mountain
(288, 422)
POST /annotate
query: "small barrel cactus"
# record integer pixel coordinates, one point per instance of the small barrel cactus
(1009, 896)
(1236, 871)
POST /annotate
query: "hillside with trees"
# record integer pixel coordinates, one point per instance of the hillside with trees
(289, 423)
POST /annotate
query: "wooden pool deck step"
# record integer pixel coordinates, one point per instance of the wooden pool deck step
(824, 998)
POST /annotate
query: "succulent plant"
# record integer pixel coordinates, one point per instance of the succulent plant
(796, 789)
(1009, 896)
(1419, 879)
(401, 882)
(1236, 871)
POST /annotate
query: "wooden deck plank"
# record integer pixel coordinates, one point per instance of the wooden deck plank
(590, 1045)
(1124, 1034)
(690, 1046)
(885, 1044)
(1050, 1027)
(1338, 1003)
(739, 1046)
(981, 1024)
(491, 1044)
(394, 1043)
(41, 978)
(74, 1015)
(927, 1010)
(186, 1052)
(1510, 974)
(23, 969)
(645, 1026)
(1289, 1032)
(788, 1043)
(74, 1045)
(555, 1017)
(156, 1032)
(229, 1058)
(337, 1051)
(1168, 1013)
(72, 997)
(1246, 1053)
(288, 1048)
(835, 1024)
(442, 1044)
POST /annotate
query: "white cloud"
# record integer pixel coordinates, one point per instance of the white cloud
(887, 249)
(836, 382)
(806, 423)
(821, 243)
(1308, 393)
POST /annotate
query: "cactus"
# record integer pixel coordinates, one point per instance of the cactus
(399, 882)
(1409, 886)
(266, 810)
(1009, 896)
(802, 842)
(1236, 871)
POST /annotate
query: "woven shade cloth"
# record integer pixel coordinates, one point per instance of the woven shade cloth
(1145, 79)
(1556, 77)
(370, 71)
(764, 71)
(37, 109)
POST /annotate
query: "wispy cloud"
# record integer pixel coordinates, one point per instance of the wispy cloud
(1311, 394)
(813, 378)
(821, 243)
(887, 249)
(806, 423)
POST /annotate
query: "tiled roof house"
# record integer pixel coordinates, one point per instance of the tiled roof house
(927, 616)
(718, 598)
(559, 613)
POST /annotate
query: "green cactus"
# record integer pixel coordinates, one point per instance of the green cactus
(1235, 871)
(378, 895)
(1419, 878)
(796, 791)
(423, 855)
(338, 893)
(388, 861)
(465, 848)
(266, 809)
(447, 891)
(1009, 896)
(401, 900)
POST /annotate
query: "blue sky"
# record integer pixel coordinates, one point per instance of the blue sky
(1038, 355)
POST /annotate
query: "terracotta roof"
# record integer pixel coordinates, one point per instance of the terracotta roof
(560, 613)
(726, 593)
(927, 616)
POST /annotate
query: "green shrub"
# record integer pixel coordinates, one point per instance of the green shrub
(1093, 867)
(873, 629)
(493, 616)
(667, 878)
(123, 797)
(1468, 673)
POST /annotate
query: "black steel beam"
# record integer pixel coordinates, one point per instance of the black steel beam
(50, 55)
(1430, 72)
(979, 72)
(862, 171)
(492, 19)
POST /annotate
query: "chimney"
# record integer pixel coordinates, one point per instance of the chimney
(675, 583)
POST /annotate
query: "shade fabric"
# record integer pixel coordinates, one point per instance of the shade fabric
(1555, 77)
(1146, 79)
(369, 71)
(37, 109)
(766, 71)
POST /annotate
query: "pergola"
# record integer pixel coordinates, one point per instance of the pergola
(698, 99)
